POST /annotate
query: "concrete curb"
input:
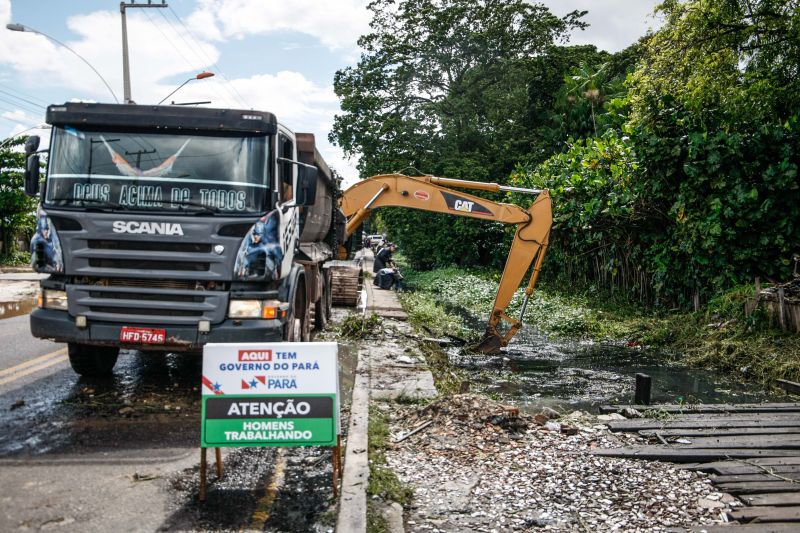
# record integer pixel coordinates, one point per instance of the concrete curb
(355, 477)
(378, 376)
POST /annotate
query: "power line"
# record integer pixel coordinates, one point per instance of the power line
(21, 106)
(213, 64)
(45, 103)
(23, 99)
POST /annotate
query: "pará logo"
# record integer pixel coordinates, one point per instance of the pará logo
(151, 228)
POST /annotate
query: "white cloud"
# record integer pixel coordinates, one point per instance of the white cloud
(614, 24)
(158, 51)
(337, 24)
(299, 103)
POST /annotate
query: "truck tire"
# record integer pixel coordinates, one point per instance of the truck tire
(322, 307)
(298, 320)
(302, 319)
(328, 294)
(92, 361)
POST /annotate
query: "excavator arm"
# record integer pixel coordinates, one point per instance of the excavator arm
(430, 193)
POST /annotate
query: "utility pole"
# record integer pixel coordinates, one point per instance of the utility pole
(126, 71)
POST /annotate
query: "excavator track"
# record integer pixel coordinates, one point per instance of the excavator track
(347, 282)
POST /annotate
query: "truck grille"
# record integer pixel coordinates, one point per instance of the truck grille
(147, 303)
(147, 264)
(149, 246)
(142, 312)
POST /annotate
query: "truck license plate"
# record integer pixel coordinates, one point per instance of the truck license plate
(142, 335)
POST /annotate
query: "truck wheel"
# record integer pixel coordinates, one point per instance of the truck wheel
(298, 320)
(320, 311)
(303, 318)
(92, 360)
(328, 294)
(290, 327)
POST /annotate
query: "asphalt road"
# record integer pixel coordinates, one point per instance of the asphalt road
(121, 453)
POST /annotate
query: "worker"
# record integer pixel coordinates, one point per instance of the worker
(383, 258)
(388, 278)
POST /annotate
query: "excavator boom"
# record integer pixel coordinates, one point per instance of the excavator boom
(430, 193)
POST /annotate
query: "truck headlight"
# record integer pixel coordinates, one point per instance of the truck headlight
(50, 299)
(260, 255)
(257, 309)
(46, 256)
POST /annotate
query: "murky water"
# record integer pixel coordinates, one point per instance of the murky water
(537, 371)
(9, 309)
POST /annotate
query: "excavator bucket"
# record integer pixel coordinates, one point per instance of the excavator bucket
(490, 344)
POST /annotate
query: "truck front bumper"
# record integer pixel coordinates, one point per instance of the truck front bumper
(60, 327)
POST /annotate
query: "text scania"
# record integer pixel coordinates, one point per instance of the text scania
(151, 228)
(279, 409)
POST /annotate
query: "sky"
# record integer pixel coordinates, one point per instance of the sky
(268, 55)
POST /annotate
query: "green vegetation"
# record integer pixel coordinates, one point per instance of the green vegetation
(383, 482)
(17, 211)
(673, 164)
(358, 326)
(718, 336)
(17, 258)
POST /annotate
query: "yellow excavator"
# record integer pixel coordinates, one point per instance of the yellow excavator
(430, 193)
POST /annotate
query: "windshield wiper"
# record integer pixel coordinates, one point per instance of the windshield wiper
(204, 209)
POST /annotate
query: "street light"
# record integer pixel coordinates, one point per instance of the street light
(20, 27)
(201, 76)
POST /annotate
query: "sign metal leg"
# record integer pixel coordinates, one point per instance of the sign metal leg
(218, 457)
(337, 465)
(203, 466)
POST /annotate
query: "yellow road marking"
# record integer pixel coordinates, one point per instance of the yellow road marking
(264, 505)
(31, 362)
(34, 365)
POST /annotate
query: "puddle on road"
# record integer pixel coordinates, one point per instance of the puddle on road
(152, 400)
(537, 371)
(10, 309)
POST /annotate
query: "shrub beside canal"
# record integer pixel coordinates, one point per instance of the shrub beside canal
(717, 336)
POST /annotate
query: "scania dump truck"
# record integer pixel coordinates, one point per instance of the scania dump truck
(165, 228)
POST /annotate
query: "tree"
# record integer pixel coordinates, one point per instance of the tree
(442, 87)
(714, 119)
(16, 209)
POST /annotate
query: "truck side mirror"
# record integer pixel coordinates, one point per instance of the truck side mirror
(306, 191)
(31, 144)
(32, 174)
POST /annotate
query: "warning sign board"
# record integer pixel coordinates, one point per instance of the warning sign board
(270, 394)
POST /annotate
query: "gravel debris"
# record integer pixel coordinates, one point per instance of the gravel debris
(484, 466)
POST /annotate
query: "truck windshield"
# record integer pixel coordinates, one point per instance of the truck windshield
(157, 172)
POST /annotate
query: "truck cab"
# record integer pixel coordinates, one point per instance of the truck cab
(166, 227)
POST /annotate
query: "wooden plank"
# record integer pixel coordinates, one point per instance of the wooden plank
(772, 498)
(643, 424)
(712, 432)
(745, 469)
(749, 478)
(789, 386)
(763, 461)
(682, 455)
(758, 487)
(747, 528)
(763, 514)
(788, 442)
(707, 408)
